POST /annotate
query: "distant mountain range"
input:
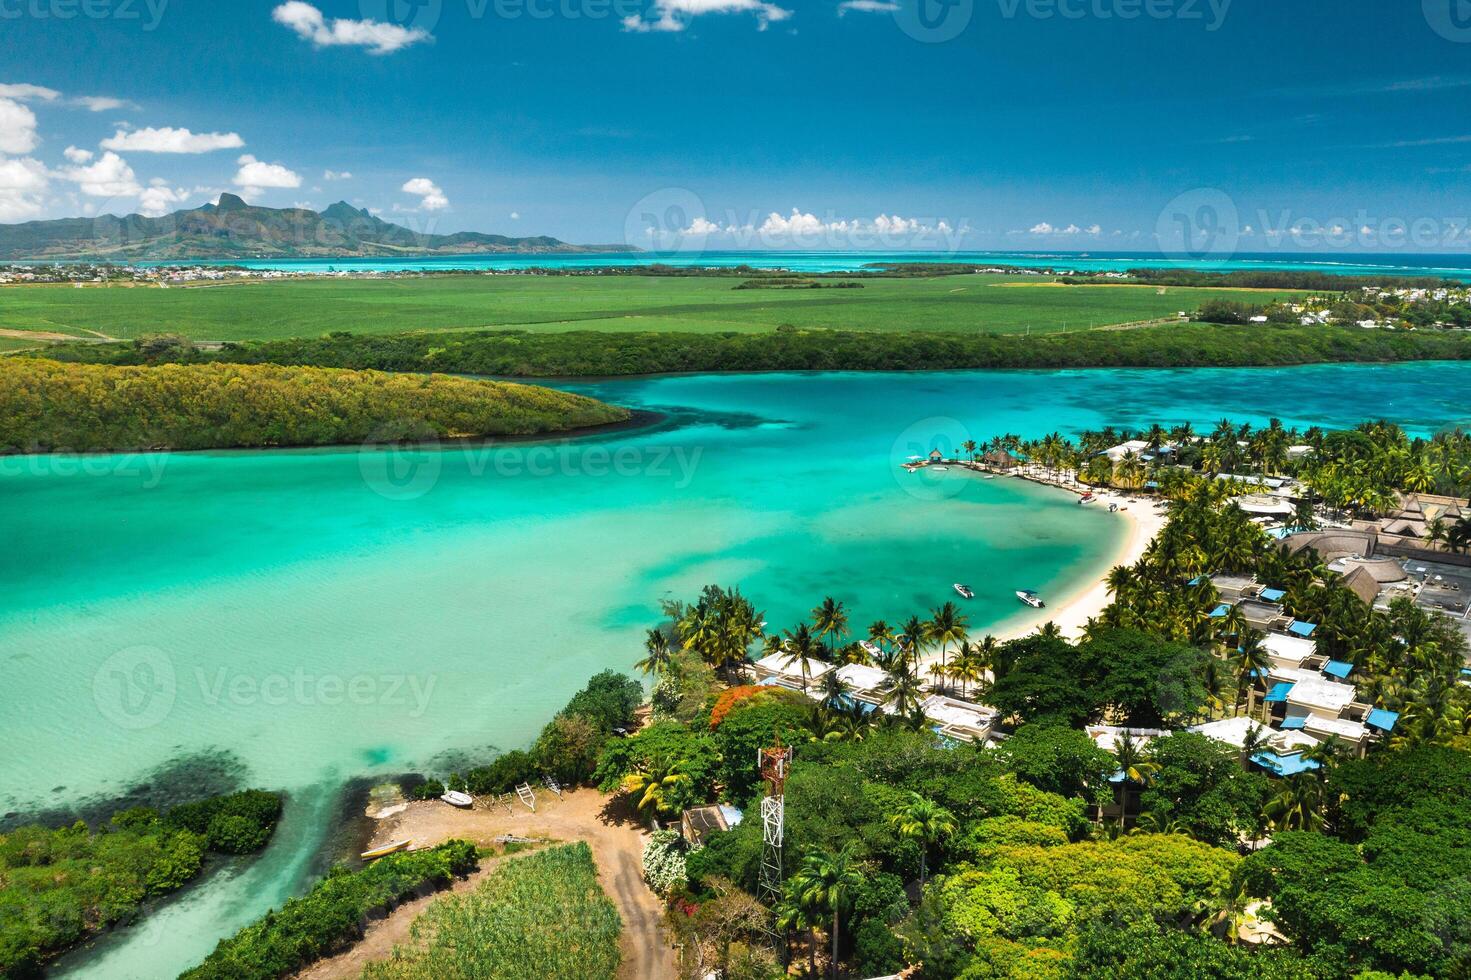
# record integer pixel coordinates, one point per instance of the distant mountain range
(233, 229)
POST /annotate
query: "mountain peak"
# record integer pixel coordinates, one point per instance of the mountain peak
(342, 211)
(231, 202)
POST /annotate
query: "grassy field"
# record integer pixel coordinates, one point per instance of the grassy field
(311, 308)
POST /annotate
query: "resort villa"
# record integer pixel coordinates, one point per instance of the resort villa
(1300, 691)
(866, 688)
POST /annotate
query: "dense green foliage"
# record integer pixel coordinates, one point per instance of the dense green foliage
(58, 887)
(47, 406)
(567, 748)
(236, 824)
(333, 914)
(515, 353)
(543, 916)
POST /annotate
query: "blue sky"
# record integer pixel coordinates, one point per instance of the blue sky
(1027, 124)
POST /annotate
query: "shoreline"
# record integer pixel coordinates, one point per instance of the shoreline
(1145, 520)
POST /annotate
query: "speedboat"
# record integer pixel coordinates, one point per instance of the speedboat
(379, 852)
(964, 590)
(1030, 598)
(455, 798)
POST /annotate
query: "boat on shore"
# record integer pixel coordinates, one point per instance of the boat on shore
(1030, 598)
(390, 848)
(964, 591)
(455, 798)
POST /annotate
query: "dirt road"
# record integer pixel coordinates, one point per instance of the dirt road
(616, 840)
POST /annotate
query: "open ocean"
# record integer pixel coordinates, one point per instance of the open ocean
(1357, 264)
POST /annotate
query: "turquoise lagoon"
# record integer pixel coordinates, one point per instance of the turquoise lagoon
(320, 615)
(814, 260)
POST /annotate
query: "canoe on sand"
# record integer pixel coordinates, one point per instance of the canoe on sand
(378, 852)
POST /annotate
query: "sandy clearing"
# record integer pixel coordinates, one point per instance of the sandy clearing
(615, 836)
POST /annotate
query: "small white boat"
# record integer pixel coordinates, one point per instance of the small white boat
(455, 798)
(940, 469)
(1030, 598)
(964, 590)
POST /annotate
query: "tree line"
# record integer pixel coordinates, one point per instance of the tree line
(516, 353)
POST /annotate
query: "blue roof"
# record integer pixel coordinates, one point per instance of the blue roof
(1295, 721)
(1302, 629)
(1382, 719)
(1273, 595)
(1278, 691)
(1284, 765)
(1220, 610)
(1338, 668)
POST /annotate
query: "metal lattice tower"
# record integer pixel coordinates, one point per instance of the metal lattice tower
(773, 764)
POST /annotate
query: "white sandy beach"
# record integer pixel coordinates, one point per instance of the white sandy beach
(1073, 612)
(1145, 516)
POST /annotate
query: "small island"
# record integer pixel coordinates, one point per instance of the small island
(48, 406)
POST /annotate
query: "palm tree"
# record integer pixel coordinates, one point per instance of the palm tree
(831, 622)
(659, 650)
(799, 647)
(924, 821)
(967, 666)
(904, 688)
(1136, 768)
(911, 637)
(880, 634)
(946, 626)
(793, 915)
(1252, 661)
(658, 783)
(1298, 806)
(828, 881)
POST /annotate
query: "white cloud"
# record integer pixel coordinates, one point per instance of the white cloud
(675, 15)
(431, 198)
(377, 36)
(867, 6)
(255, 176)
(26, 93)
(804, 228)
(159, 198)
(515, 215)
(109, 176)
(702, 226)
(77, 155)
(336, 175)
(1046, 228)
(102, 103)
(167, 139)
(22, 184)
(17, 127)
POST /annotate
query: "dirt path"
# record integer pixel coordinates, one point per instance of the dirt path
(378, 942)
(616, 840)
